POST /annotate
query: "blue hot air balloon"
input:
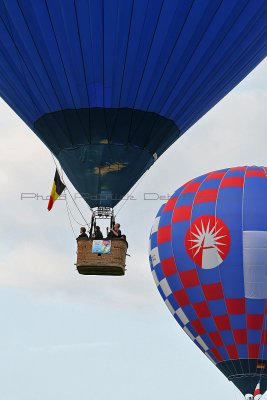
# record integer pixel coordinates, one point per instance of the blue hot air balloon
(109, 85)
(208, 255)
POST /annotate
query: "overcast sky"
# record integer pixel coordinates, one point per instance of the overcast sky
(68, 336)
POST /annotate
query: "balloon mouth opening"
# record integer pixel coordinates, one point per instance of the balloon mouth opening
(245, 374)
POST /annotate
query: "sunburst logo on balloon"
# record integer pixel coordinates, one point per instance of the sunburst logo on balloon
(207, 241)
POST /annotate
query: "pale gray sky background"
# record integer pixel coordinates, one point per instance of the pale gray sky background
(68, 336)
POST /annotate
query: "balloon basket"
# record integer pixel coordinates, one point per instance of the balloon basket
(91, 262)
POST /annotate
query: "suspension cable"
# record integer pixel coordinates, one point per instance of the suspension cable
(68, 212)
(72, 216)
(134, 188)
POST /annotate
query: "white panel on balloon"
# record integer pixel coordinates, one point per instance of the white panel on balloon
(255, 264)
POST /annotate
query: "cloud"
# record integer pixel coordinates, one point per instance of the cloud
(56, 348)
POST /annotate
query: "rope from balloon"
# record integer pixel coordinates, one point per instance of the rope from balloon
(69, 214)
(130, 194)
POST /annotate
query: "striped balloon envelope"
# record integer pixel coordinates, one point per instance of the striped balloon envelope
(109, 85)
(208, 255)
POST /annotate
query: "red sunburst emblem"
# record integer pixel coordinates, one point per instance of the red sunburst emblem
(207, 241)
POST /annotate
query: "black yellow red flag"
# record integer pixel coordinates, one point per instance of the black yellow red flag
(57, 188)
(261, 364)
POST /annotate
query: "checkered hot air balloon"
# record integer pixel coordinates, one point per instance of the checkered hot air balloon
(208, 255)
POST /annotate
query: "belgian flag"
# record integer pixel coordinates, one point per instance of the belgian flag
(57, 188)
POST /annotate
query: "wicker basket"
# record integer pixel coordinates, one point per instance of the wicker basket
(89, 263)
